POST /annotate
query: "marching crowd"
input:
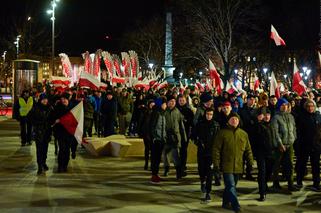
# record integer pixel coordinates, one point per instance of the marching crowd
(229, 130)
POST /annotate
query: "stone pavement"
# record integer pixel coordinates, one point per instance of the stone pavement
(109, 184)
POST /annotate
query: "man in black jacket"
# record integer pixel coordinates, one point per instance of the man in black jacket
(207, 129)
(42, 130)
(188, 122)
(109, 113)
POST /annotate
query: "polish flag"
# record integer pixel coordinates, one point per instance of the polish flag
(103, 86)
(275, 36)
(108, 60)
(66, 65)
(199, 86)
(256, 83)
(297, 82)
(181, 88)
(162, 85)
(230, 88)
(88, 80)
(96, 63)
(215, 77)
(60, 82)
(120, 80)
(88, 62)
(208, 86)
(274, 88)
(73, 121)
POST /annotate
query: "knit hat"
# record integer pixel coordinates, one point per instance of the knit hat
(205, 97)
(281, 101)
(160, 100)
(227, 103)
(233, 114)
(263, 110)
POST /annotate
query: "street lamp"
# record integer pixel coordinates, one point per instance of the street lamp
(52, 12)
(151, 65)
(285, 76)
(265, 70)
(17, 44)
(4, 56)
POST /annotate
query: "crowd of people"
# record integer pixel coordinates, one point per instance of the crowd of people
(229, 130)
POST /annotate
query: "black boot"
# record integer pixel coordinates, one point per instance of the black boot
(166, 170)
(45, 167)
(39, 172)
(262, 197)
(178, 173)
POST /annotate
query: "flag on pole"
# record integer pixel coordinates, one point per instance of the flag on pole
(117, 66)
(66, 65)
(215, 77)
(73, 121)
(126, 64)
(87, 65)
(134, 63)
(88, 80)
(230, 88)
(274, 88)
(275, 36)
(96, 64)
(256, 83)
(108, 60)
(297, 82)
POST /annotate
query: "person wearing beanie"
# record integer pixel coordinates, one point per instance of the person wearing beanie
(308, 144)
(222, 116)
(248, 118)
(158, 136)
(206, 102)
(108, 112)
(284, 128)
(176, 134)
(39, 115)
(262, 149)
(230, 146)
(61, 134)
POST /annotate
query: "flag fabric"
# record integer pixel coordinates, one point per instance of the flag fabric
(66, 65)
(117, 66)
(108, 60)
(60, 82)
(119, 80)
(134, 63)
(230, 88)
(181, 88)
(96, 63)
(73, 121)
(319, 54)
(126, 64)
(215, 77)
(256, 83)
(297, 82)
(162, 85)
(275, 36)
(88, 64)
(88, 80)
(274, 88)
(199, 86)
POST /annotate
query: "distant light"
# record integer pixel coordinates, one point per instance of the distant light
(150, 65)
(304, 69)
(201, 73)
(306, 77)
(308, 72)
(108, 37)
(270, 78)
(29, 18)
(191, 79)
(285, 76)
(49, 11)
(265, 70)
(235, 71)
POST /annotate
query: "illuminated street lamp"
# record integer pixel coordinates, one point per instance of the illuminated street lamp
(17, 44)
(265, 70)
(52, 12)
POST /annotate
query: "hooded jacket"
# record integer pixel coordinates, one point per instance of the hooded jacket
(284, 129)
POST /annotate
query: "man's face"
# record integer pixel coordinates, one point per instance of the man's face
(260, 117)
(251, 102)
(44, 101)
(284, 107)
(109, 96)
(164, 106)
(171, 103)
(273, 101)
(267, 117)
(234, 122)
(98, 94)
(209, 104)
(310, 108)
(226, 110)
(209, 115)
(182, 101)
(64, 101)
(151, 105)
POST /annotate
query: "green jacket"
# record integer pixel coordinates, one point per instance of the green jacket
(229, 147)
(283, 125)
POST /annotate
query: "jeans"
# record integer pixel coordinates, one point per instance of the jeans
(25, 129)
(230, 195)
(168, 148)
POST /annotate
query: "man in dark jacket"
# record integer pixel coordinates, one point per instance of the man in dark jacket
(248, 118)
(188, 122)
(109, 113)
(158, 136)
(206, 131)
(42, 130)
(63, 136)
(309, 123)
(89, 109)
(263, 139)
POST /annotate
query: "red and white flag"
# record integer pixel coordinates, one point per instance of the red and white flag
(256, 83)
(162, 85)
(66, 65)
(181, 88)
(199, 86)
(96, 63)
(60, 82)
(275, 36)
(126, 64)
(119, 80)
(319, 54)
(108, 60)
(274, 88)
(88, 63)
(117, 64)
(73, 121)
(297, 82)
(88, 80)
(134, 63)
(215, 77)
(230, 88)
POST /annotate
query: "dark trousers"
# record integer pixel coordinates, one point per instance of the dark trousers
(147, 143)
(42, 150)
(88, 127)
(230, 194)
(183, 154)
(73, 145)
(286, 160)
(204, 163)
(64, 152)
(302, 161)
(25, 130)
(156, 155)
(264, 165)
(109, 127)
(97, 124)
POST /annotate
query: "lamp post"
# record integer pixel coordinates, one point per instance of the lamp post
(52, 12)
(17, 44)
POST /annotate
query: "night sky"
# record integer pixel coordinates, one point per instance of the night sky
(83, 25)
